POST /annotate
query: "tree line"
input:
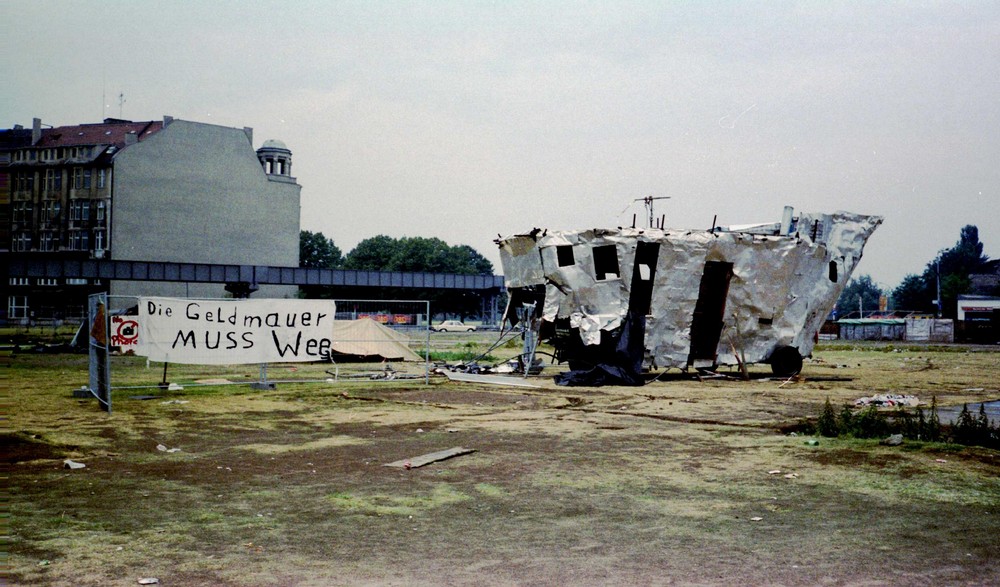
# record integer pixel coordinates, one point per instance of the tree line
(919, 293)
(384, 253)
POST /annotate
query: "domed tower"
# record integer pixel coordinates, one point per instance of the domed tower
(276, 160)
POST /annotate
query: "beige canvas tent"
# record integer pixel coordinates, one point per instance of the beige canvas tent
(367, 339)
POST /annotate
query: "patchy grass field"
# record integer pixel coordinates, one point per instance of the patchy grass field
(665, 484)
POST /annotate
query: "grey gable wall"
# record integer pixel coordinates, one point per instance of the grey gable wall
(196, 192)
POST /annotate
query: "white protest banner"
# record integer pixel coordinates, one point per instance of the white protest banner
(230, 332)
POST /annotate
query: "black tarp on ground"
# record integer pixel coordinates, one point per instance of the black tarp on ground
(623, 366)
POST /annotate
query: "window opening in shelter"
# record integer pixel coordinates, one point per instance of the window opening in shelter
(606, 262)
(564, 256)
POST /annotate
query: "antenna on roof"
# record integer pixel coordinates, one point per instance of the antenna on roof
(121, 105)
(648, 201)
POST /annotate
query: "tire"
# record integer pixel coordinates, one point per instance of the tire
(786, 361)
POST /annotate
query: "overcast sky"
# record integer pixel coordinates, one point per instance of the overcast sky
(462, 120)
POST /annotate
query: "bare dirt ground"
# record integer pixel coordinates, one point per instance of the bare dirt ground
(672, 483)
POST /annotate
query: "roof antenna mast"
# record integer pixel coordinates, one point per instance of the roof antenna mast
(121, 105)
(648, 202)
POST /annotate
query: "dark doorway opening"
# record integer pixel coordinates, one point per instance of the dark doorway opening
(709, 311)
(643, 271)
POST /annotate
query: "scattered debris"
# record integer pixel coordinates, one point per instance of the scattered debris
(68, 464)
(163, 448)
(493, 379)
(940, 461)
(175, 401)
(888, 399)
(812, 442)
(791, 476)
(774, 472)
(429, 458)
(149, 581)
(756, 519)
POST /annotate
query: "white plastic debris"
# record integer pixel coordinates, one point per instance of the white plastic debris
(888, 400)
(73, 464)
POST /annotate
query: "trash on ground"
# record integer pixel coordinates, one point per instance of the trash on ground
(888, 399)
(429, 458)
(68, 464)
(163, 448)
(774, 472)
(756, 519)
(149, 581)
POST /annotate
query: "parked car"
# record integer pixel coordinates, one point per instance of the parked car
(453, 326)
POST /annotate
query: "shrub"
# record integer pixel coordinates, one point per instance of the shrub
(827, 423)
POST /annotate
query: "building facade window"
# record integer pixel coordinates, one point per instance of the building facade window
(99, 240)
(79, 210)
(50, 211)
(79, 240)
(48, 241)
(19, 281)
(101, 212)
(48, 281)
(17, 307)
(24, 181)
(21, 242)
(102, 178)
(81, 178)
(75, 281)
(53, 180)
(21, 212)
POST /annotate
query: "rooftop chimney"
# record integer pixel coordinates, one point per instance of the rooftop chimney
(36, 130)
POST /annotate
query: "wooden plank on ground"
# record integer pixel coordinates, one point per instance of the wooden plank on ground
(430, 458)
(490, 379)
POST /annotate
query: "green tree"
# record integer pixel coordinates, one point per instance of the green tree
(864, 288)
(318, 251)
(913, 295)
(952, 266)
(416, 254)
(372, 254)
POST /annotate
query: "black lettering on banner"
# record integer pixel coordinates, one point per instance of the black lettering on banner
(184, 338)
(288, 348)
(252, 322)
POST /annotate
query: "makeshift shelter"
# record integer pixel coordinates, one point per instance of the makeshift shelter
(622, 300)
(367, 340)
(872, 329)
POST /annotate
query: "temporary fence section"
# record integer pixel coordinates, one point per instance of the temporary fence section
(930, 330)
(232, 341)
(872, 329)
